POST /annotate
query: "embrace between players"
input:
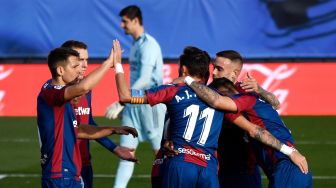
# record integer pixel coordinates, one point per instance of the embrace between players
(195, 116)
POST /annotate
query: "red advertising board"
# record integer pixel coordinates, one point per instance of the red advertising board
(302, 88)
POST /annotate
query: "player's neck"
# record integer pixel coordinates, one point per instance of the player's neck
(57, 82)
(136, 35)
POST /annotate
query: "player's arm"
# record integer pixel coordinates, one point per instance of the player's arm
(122, 152)
(250, 84)
(92, 132)
(211, 97)
(265, 137)
(124, 91)
(258, 132)
(89, 81)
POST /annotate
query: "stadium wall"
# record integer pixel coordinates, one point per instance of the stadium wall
(302, 88)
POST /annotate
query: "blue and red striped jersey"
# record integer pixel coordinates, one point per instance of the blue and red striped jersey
(83, 112)
(194, 126)
(235, 152)
(262, 114)
(57, 126)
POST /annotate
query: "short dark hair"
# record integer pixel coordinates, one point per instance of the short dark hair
(74, 44)
(131, 12)
(234, 56)
(57, 56)
(197, 61)
(223, 82)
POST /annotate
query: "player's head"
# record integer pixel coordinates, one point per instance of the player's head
(224, 86)
(64, 64)
(131, 19)
(194, 62)
(228, 64)
(81, 48)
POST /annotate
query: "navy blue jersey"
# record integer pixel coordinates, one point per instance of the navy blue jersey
(57, 125)
(194, 126)
(262, 114)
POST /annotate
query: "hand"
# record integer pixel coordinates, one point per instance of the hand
(168, 149)
(116, 52)
(110, 59)
(250, 84)
(125, 153)
(114, 111)
(178, 80)
(300, 161)
(125, 130)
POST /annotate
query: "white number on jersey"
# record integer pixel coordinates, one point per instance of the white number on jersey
(192, 112)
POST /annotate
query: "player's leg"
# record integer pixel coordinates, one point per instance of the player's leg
(288, 175)
(87, 176)
(153, 123)
(179, 174)
(125, 169)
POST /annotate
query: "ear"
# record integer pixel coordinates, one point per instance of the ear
(185, 71)
(136, 20)
(60, 70)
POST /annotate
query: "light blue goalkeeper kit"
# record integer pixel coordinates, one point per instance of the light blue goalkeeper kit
(146, 71)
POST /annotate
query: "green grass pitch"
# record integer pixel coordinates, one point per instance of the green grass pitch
(19, 153)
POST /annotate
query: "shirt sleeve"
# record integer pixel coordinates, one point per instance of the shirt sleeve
(147, 63)
(161, 94)
(231, 116)
(244, 102)
(54, 96)
(107, 143)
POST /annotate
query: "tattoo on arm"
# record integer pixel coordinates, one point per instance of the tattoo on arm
(269, 97)
(205, 93)
(267, 138)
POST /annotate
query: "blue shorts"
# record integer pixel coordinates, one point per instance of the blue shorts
(61, 183)
(87, 176)
(240, 180)
(288, 175)
(179, 174)
(147, 120)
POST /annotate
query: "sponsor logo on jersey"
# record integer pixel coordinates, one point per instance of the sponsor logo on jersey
(192, 152)
(82, 111)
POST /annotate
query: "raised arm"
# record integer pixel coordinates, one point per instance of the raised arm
(124, 92)
(89, 81)
(250, 84)
(211, 97)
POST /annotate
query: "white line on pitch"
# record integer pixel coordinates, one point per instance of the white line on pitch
(2, 176)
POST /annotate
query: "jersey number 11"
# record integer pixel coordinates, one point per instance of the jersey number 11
(192, 112)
